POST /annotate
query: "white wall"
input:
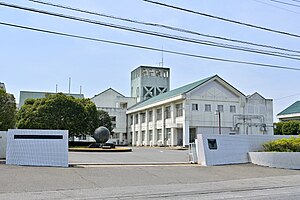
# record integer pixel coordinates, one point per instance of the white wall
(37, 151)
(3, 144)
(285, 160)
(111, 99)
(230, 148)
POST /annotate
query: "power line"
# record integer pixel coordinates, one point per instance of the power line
(287, 96)
(281, 8)
(224, 19)
(152, 33)
(160, 25)
(296, 0)
(150, 48)
(289, 4)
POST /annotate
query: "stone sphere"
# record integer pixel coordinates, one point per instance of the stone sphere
(101, 134)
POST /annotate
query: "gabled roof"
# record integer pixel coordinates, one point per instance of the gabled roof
(255, 93)
(172, 93)
(294, 108)
(108, 90)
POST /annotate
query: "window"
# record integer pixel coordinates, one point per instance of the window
(157, 73)
(144, 72)
(136, 136)
(168, 135)
(220, 108)
(232, 109)
(113, 118)
(143, 117)
(131, 119)
(194, 106)
(158, 114)
(165, 74)
(179, 111)
(113, 121)
(123, 105)
(143, 136)
(168, 112)
(159, 134)
(150, 135)
(137, 91)
(207, 108)
(136, 118)
(150, 116)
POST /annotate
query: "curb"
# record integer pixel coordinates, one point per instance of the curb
(130, 164)
(99, 150)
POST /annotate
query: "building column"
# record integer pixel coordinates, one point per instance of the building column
(139, 139)
(163, 130)
(186, 123)
(147, 128)
(186, 133)
(172, 137)
(173, 124)
(154, 132)
(133, 139)
(120, 137)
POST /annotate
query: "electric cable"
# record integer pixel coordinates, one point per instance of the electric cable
(150, 48)
(289, 4)
(224, 19)
(160, 25)
(152, 33)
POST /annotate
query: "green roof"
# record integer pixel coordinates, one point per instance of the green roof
(170, 94)
(294, 108)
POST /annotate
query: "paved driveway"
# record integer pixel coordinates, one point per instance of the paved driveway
(143, 155)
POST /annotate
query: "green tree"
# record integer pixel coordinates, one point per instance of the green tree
(59, 112)
(7, 111)
(105, 120)
(287, 128)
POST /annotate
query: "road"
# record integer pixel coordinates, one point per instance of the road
(146, 174)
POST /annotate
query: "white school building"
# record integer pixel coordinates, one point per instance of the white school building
(207, 106)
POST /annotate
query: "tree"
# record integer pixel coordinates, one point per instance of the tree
(59, 112)
(287, 128)
(105, 120)
(7, 111)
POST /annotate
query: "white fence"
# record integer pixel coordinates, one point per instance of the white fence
(229, 149)
(37, 147)
(3, 144)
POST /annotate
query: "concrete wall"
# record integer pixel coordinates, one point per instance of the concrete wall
(230, 148)
(37, 147)
(285, 160)
(3, 144)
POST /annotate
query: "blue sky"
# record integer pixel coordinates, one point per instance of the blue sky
(37, 61)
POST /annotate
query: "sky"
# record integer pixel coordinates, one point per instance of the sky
(34, 61)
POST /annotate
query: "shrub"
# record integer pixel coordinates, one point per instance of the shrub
(291, 144)
(287, 128)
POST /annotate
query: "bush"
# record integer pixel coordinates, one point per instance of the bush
(287, 128)
(291, 144)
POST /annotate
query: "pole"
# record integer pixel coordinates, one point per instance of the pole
(69, 85)
(219, 122)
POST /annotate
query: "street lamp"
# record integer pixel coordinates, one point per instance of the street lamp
(219, 117)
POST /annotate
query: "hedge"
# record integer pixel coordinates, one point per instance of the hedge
(291, 144)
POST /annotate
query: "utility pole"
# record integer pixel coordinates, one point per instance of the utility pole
(69, 85)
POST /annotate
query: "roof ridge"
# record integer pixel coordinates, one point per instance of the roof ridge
(177, 91)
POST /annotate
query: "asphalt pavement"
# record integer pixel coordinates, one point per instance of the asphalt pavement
(147, 181)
